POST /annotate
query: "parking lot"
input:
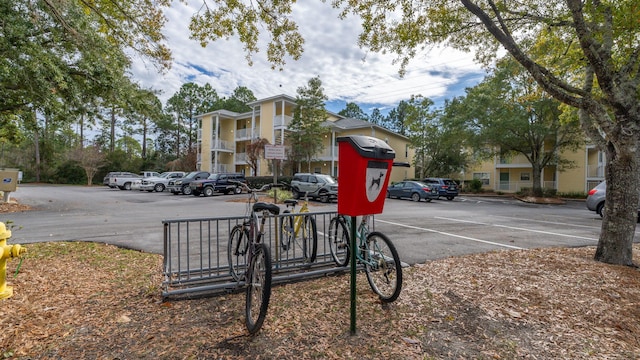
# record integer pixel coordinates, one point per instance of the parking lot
(421, 231)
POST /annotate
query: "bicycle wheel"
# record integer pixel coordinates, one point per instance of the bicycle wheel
(382, 266)
(286, 230)
(258, 288)
(308, 242)
(237, 251)
(339, 241)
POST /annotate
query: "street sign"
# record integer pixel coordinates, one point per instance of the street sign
(275, 152)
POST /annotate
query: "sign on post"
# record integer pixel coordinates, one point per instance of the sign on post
(275, 152)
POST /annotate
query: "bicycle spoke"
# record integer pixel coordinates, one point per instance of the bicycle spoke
(382, 266)
(258, 288)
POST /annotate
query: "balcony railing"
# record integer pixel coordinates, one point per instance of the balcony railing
(281, 121)
(217, 144)
(243, 134)
(220, 168)
(327, 155)
(595, 171)
(241, 158)
(515, 186)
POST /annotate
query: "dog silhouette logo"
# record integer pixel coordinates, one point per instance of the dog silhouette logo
(375, 179)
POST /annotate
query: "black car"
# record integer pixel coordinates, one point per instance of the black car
(446, 187)
(224, 183)
(414, 190)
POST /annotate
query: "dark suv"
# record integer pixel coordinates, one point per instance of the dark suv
(446, 187)
(224, 183)
(316, 186)
(181, 186)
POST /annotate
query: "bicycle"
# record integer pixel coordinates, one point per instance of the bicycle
(374, 250)
(246, 247)
(299, 231)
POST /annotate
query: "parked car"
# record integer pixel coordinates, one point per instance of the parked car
(105, 180)
(159, 183)
(596, 197)
(446, 187)
(181, 186)
(125, 182)
(224, 183)
(316, 186)
(414, 190)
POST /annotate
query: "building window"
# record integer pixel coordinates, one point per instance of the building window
(317, 170)
(484, 177)
(525, 176)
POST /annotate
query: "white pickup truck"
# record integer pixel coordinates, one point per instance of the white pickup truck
(125, 182)
(157, 183)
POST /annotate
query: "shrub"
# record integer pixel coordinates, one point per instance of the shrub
(475, 185)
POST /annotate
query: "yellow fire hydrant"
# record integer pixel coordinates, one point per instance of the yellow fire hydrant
(7, 252)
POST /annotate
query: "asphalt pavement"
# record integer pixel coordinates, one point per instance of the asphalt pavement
(421, 231)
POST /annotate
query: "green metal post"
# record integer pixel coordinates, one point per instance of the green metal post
(353, 274)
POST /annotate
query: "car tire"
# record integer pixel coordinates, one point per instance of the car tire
(324, 197)
(388, 195)
(237, 190)
(158, 188)
(295, 193)
(186, 190)
(127, 186)
(600, 209)
(415, 197)
(208, 191)
(427, 200)
(450, 198)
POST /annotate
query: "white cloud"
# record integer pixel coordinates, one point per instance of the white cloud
(348, 73)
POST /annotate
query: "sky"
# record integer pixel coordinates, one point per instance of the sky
(348, 73)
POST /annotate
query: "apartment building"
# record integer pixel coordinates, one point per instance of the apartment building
(223, 137)
(511, 174)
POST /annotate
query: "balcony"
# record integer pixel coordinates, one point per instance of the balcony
(241, 158)
(220, 168)
(246, 134)
(327, 154)
(223, 145)
(595, 171)
(281, 121)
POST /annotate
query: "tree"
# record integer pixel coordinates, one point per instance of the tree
(396, 119)
(191, 100)
(254, 151)
(439, 149)
(510, 114)
(584, 53)
(90, 160)
(352, 110)
(376, 117)
(306, 130)
(238, 101)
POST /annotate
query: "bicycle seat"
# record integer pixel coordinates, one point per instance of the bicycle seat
(261, 206)
(291, 202)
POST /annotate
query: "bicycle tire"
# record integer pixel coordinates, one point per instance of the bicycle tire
(309, 239)
(258, 288)
(286, 230)
(237, 251)
(385, 275)
(339, 241)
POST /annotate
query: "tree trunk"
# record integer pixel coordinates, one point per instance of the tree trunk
(536, 183)
(621, 203)
(112, 133)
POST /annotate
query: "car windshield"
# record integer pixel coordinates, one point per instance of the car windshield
(421, 184)
(164, 175)
(213, 177)
(326, 178)
(191, 175)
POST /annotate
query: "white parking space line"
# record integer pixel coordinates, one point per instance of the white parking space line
(518, 228)
(452, 235)
(547, 222)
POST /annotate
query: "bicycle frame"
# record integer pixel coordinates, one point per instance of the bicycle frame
(361, 235)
